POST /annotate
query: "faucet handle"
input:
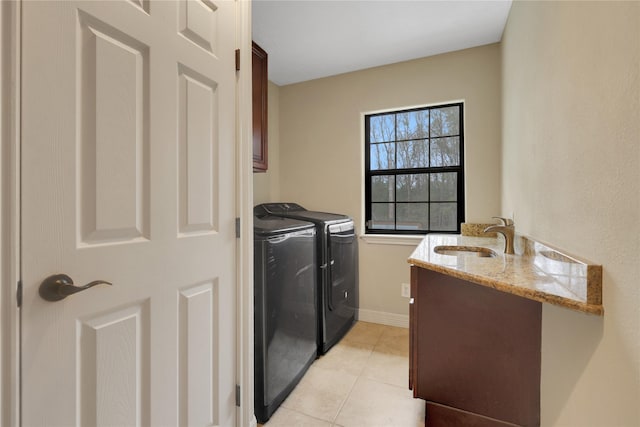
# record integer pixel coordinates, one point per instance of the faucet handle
(504, 221)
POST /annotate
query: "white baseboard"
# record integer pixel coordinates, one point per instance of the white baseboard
(383, 318)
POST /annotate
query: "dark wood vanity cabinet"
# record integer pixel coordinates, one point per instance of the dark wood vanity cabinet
(474, 353)
(260, 101)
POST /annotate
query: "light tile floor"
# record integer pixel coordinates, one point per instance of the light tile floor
(361, 381)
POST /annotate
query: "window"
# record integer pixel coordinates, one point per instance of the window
(414, 165)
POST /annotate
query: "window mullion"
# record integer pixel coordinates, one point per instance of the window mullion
(395, 177)
(429, 174)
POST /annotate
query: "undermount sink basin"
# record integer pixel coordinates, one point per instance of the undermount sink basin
(465, 250)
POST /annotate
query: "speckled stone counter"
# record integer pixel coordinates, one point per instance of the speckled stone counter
(537, 271)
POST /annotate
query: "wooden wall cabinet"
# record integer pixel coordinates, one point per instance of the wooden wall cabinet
(474, 353)
(260, 102)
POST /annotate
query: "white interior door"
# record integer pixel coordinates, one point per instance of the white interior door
(128, 151)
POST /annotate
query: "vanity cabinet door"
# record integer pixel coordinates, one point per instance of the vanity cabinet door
(260, 82)
(475, 349)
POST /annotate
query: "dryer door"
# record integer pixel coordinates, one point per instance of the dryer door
(343, 271)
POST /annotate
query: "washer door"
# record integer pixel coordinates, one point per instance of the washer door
(285, 316)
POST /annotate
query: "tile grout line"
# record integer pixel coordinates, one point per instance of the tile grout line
(308, 415)
(358, 377)
(346, 397)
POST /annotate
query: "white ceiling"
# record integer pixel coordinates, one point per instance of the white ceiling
(309, 39)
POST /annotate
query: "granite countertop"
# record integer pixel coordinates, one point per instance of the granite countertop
(537, 271)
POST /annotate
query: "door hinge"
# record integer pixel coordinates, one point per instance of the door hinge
(237, 395)
(19, 293)
(237, 59)
(237, 228)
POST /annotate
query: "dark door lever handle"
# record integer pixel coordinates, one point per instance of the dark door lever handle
(60, 286)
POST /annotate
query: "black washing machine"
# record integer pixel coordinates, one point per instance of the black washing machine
(337, 268)
(285, 308)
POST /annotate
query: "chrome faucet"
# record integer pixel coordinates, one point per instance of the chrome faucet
(507, 229)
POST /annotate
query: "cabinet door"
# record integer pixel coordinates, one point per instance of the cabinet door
(260, 101)
(476, 349)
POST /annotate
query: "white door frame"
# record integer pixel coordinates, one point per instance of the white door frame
(9, 211)
(10, 107)
(244, 203)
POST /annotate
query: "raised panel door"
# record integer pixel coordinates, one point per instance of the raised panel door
(128, 150)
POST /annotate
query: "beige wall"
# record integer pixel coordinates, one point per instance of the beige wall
(266, 185)
(322, 146)
(571, 150)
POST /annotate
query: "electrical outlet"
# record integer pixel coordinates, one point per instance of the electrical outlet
(405, 290)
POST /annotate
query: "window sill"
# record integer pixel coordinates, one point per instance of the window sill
(392, 239)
